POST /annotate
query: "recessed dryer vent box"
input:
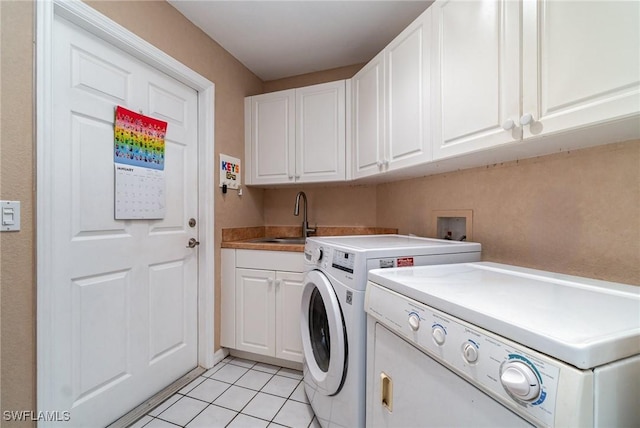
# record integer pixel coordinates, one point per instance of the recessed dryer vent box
(456, 225)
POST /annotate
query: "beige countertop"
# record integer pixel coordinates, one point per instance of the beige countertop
(239, 238)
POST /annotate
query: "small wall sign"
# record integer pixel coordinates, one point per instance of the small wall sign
(230, 172)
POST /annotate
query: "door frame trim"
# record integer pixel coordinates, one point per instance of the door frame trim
(94, 22)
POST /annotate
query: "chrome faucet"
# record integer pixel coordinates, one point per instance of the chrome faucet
(306, 230)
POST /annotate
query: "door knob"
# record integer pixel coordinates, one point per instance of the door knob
(192, 243)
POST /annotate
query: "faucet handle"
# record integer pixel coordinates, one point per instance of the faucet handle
(309, 230)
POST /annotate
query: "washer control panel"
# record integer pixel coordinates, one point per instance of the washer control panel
(337, 262)
(521, 379)
(343, 260)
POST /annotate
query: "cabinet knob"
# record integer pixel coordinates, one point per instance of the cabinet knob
(526, 119)
(297, 176)
(290, 177)
(508, 124)
(385, 162)
(379, 163)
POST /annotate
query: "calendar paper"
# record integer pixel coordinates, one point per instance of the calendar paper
(140, 193)
(139, 139)
(139, 166)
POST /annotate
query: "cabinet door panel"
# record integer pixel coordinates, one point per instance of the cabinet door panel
(476, 68)
(288, 300)
(255, 311)
(407, 95)
(582, 63)
(320, 132)
(272, 137)
(368, 118)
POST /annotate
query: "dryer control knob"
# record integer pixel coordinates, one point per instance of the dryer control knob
(470, 353)
(414, 322)
(316, 255)
(438, 334)
(520, 381)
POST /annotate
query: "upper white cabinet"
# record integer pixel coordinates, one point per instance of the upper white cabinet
(503, 71)
(476, 78)
(391, 104)
(581, 63)
(407, 94)
(270, 137)
(367, 87)
(297, 135)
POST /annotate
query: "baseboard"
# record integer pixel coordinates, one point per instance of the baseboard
(266, 359)
(219, 355)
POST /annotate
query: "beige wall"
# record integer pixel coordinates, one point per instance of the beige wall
(575, 213)
(160, 24)
(17, 252)
(328, 206)
(312, 78)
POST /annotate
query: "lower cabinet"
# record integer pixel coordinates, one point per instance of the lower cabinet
(268, 313)
(261, 306)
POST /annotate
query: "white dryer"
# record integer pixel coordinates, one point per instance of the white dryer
(333, 320)
(492, 345)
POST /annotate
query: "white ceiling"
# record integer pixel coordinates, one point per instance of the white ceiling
(277, 39)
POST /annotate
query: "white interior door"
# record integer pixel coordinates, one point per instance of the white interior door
(124, 291)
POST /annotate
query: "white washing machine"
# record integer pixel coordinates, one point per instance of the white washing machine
(491, 345)
(333, 321)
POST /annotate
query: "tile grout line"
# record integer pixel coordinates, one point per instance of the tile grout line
(273, 375)
(257, 392)
(252, 367)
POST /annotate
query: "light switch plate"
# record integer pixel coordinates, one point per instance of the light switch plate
(10, 216)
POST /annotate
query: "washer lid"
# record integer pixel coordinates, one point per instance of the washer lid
(581, 321)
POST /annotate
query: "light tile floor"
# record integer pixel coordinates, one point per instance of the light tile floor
(237, 393)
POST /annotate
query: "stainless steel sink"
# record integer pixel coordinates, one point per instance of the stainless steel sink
(279, 240)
